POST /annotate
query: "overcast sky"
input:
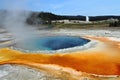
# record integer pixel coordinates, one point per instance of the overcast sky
(67, 7)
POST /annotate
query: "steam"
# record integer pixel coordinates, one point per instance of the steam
(15, 20)
(87, 18)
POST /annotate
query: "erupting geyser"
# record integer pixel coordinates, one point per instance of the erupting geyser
(87, 18)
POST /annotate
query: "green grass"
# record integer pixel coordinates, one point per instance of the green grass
(92, 25)
(83, 25)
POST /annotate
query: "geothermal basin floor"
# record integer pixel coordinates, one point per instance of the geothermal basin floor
(11, 72)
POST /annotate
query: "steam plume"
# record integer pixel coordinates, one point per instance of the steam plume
(15, 20)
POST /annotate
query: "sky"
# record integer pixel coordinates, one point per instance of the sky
(67, 7)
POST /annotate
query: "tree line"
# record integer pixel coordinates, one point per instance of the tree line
(100, 18)
(48, 17)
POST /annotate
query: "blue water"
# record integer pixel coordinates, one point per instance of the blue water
(52, 43)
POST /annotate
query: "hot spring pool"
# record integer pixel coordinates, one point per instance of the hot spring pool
(51, 43)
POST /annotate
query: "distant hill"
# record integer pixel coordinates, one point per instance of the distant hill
(50, 16)
(99, 18)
